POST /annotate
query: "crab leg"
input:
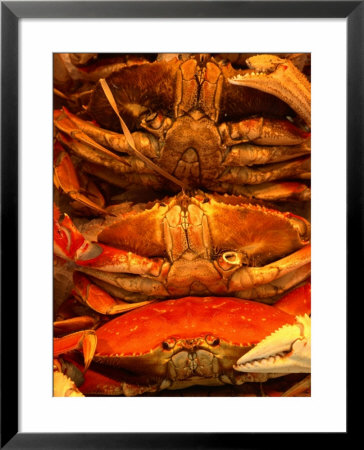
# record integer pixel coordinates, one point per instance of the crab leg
(132, 169)
(96, 383)
(248, 277)
(299, 388)
(281, 78)
(99, 300)
(74, 316)
(280, 191)
(258, 282)
(85, 340)
(93, 71)
(70, 244)
(262, 131)
(89, 142)
(66, 126)
(109, 259)
(277, 286)
(116, 284)
(66, 179)
(98, 138)
(87, 152)
(108, 263)
(142, 176)
(249, 154)
(232, 180)
(74, 324)
(93, 383)
(133, 286)
(299, 168)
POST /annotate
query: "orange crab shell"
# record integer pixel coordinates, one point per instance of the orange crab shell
(225, 326)
(233, 223)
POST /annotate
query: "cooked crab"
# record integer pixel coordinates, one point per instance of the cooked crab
(288, 348)
(178, 343)
(192, 245)
(190, 123)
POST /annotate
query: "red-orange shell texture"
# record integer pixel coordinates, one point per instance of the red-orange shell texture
(233, 320)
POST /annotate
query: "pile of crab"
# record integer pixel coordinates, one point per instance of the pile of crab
(181, 224)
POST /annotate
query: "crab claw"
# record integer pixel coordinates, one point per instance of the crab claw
(280, 78)
(71, 245)
(64, 386)
(286, 350)
(85, 340)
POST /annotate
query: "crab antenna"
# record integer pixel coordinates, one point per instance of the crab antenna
(130, 139)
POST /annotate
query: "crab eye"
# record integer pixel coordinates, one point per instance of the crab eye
(168, 344)
(212, 340)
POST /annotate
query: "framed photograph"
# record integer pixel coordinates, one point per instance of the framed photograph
(231, 79)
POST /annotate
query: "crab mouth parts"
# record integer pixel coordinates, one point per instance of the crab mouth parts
(191, 363)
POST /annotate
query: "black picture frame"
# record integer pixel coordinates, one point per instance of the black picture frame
(11, 12)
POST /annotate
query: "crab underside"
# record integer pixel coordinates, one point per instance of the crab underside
(194, 124)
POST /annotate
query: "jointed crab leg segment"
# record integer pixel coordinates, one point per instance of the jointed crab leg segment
(298, 168)
(85, 340)
(109, 259)
(88, 153)
(66, 179)
(67, 127)
(95, 136)
(278, 285)
(299, 388)
(249, 154)
(123, 174)
(280, 78)
(262, 131)
(130, 284)
(140, 176)
(99, 300)
(248, 277)
(70, 244)
(271, 191)
(73, 324)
